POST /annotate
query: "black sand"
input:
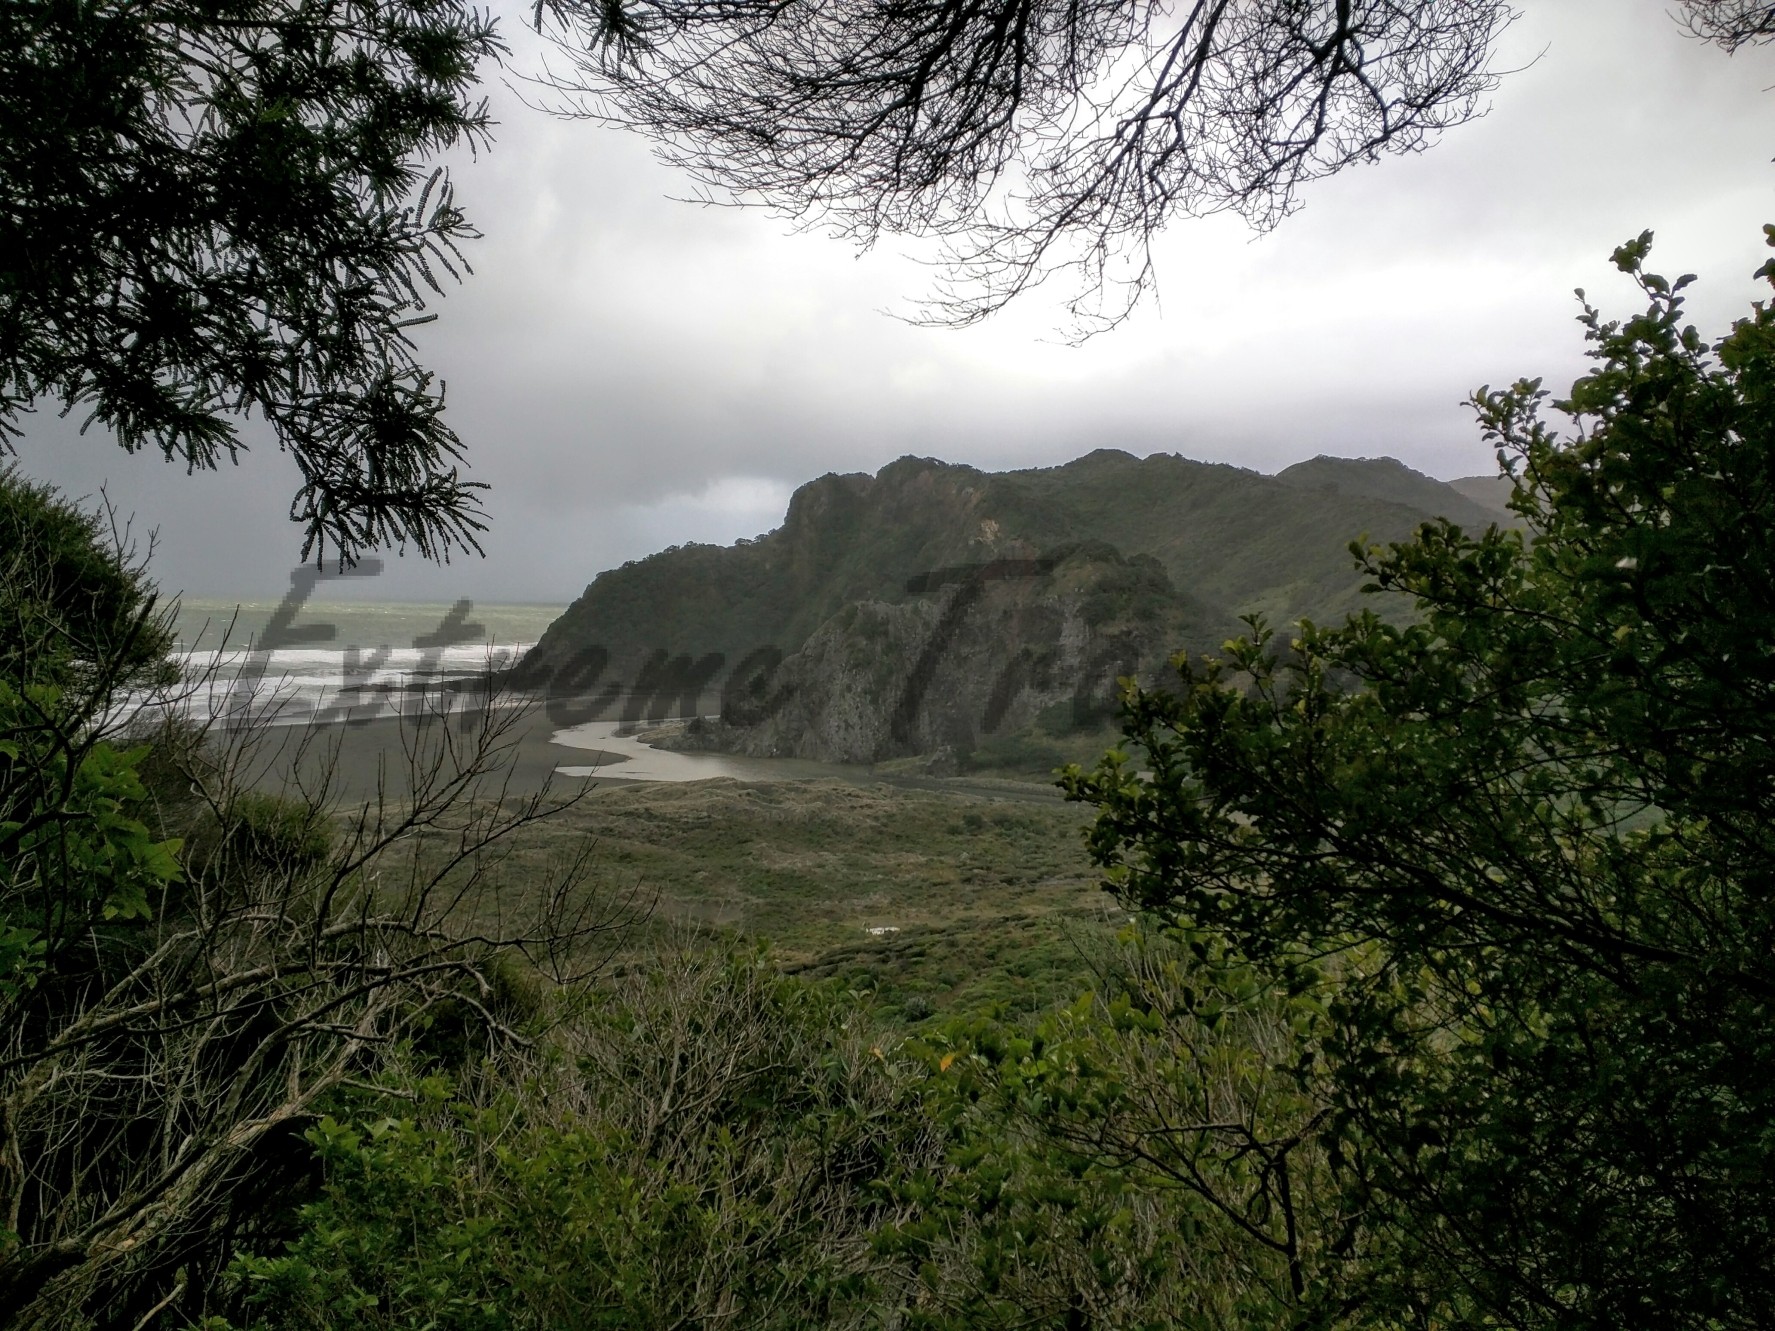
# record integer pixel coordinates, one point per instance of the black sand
(384, 751)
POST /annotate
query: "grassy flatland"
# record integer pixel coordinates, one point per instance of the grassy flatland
(981, 900)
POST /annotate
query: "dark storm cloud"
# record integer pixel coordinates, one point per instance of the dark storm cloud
(633, 372)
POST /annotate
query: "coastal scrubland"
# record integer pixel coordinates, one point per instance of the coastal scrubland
(1430, 989)
(929, 902)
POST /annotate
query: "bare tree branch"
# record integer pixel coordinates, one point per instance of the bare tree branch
(158, 1068)
(1730, 24)
(1029, 136)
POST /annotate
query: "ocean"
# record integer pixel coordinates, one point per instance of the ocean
(338, 659)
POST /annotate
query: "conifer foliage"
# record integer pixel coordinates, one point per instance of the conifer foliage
(211, 208)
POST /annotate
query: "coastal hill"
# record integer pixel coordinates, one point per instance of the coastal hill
(916, 609)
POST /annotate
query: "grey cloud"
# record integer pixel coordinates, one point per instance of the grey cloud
(632, 371)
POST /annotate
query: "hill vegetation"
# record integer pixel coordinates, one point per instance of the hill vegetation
(1432, 987)
(1240, 541)
(1518, 852)
(863, 596)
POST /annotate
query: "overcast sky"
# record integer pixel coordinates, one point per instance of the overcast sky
(632, 372)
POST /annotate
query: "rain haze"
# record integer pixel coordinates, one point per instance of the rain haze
(631, 371)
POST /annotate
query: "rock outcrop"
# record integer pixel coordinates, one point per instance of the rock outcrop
(988, 649)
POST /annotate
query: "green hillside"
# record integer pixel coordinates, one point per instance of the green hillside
(1237, 540)
(1391, 481)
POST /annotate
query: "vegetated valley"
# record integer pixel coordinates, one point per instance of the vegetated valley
(875, 1047)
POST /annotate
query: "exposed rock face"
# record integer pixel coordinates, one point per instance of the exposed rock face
(840, 691)
(982, 653)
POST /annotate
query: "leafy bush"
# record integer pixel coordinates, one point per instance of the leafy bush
(1538, 835)
(703, 1145)
(187, 966)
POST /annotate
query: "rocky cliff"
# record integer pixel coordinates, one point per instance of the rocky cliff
(863, 628)
(985, 650)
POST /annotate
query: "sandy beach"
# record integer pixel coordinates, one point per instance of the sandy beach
(367, 753)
